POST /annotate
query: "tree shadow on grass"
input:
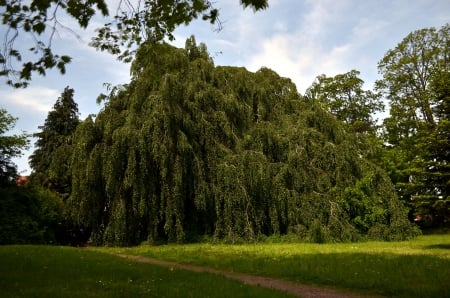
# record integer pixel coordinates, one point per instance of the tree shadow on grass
(438, 246)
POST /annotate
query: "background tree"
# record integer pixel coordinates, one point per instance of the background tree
(415, 74)
(431, 169)
(51, 159)
(27, 214)
(134, 22)
(187, 149)
(11, 146)
(344, 97)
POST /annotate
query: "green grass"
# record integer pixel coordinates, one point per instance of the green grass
(50, 271)
(416, 268)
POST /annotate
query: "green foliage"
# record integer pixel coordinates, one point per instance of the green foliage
(408, 72)
(11, 146)
(371, 213)
(30, 215)
(39, 19)
(51, 159)
(133, 23)
(415, 81)
(343, 96)
(431, 170)
(26, 215)
(188, 148)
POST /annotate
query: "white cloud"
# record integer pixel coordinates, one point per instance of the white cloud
(30, 106)
(32, 99)
(302, 54)
(332, 37)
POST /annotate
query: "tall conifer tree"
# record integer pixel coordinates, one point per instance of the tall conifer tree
(51, 158)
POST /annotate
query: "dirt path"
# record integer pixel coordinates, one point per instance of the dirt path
(300, 290)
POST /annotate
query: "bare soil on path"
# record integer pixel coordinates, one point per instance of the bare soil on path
(296, 289)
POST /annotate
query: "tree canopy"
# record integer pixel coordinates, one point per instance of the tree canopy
(415, 83)
(11, 146)
(188, 148)
(343, 96)
(133, 23)
(408, 73)
(51, 159)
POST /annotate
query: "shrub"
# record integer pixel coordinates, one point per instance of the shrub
(28, 215)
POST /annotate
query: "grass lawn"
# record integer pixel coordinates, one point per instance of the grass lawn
(415, 268)
(51, 271)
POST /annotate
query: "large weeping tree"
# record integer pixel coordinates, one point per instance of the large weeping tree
(188, 149)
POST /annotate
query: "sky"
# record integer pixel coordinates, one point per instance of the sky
(299, 39)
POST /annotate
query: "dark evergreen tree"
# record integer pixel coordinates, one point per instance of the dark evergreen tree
(187, 148)
(51, 159)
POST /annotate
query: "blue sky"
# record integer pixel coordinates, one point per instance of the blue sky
(299, 39)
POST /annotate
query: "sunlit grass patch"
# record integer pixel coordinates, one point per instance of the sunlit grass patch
(415, 268)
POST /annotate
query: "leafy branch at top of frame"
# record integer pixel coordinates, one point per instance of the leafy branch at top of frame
(133, 23)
